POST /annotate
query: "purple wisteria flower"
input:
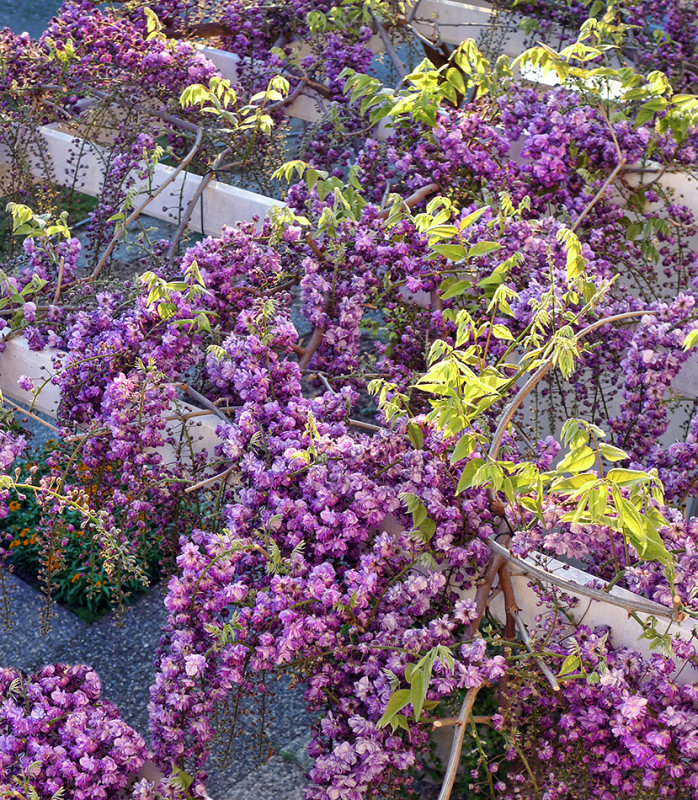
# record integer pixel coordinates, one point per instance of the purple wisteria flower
(56, 733)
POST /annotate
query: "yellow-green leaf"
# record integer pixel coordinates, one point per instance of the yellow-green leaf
(569, 665)
(611, 452)
(574, 484)
(474, 216)
(691, 339)
(502, 332)
(579, 460)
(455, 78)
(626, 477)
(457, 288)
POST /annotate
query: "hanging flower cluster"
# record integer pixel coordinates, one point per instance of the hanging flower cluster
(58, 734)
(621, 727)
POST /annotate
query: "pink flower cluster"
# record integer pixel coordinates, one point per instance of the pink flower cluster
(56, 733)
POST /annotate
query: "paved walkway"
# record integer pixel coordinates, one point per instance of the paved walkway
(27, 15)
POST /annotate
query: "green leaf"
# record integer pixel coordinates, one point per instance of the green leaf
(153, 25)
(649, 109)
(427, 529)
(454, 252)
(419, 516)
(181, 778)
(400, 721)
(411, 501)
(166, 310)
(21, 214)
(654, 548)
(574, 434)
(466, 478)
(398, 700)
(509, 490)
(482, 248)
(643, 535)
(565, 362)
(449, 93)
(598, 500)
(579, 460)
(633, 524)
(441, 231)
(456, 289)
(416, 435)
(576, 263)
(202, 322)
(489, 474)
(466, 444)
(571, 664)
(418, 693)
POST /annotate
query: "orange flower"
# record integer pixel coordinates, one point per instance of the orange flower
(15, 505)
(52, 563)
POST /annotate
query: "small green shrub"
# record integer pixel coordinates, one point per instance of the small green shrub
(73, 574)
